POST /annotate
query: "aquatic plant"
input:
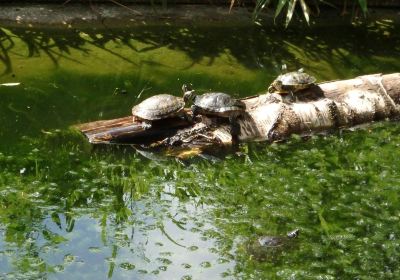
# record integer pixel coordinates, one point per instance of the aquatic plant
(261, 5)
(291, 7)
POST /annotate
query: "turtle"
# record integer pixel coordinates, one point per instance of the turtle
(277, 241)
(291, 82)
(266, 247)
(158, 107)
(217, 104)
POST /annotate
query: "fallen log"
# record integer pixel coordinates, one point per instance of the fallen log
(268, 117)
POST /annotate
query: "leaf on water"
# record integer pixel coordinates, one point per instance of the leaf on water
(55, 238)
(162, 229)
(324, 223)
(179, 224)
(292, 5)
(70, 223)
(306, 11)
(10, 84)
(56, 219)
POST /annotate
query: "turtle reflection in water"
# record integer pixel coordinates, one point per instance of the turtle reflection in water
(268, 247)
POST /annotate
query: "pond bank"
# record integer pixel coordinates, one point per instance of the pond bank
(111, 15)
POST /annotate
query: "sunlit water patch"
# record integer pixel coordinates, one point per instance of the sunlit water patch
(69, 210)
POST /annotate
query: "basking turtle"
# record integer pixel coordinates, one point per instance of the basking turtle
(291, 82)
(268, 246)
(217, 104)
(158, 107)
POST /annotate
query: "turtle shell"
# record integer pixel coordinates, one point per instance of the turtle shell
(277, 241)
(158, 107)
(218, 102)
(271, 241)
(296, 79)
(267, 247)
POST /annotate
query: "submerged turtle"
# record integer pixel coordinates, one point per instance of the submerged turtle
(158, 107)
(216, 104)
(291, 82)
(268, 246)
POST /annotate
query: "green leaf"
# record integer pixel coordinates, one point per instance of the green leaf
(292, 5)
(56, 219)
(328, 4)
(324, 223)
(265, 4)
(260, 5)
(278, 10)
(306, 11)
(363, 5)
(70, 224)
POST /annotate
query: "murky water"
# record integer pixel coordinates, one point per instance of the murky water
(72, 211)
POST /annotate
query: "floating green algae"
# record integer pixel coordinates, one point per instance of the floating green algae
(71, 210)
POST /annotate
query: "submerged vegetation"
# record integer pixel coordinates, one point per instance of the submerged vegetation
(69, 210)
(142, 216)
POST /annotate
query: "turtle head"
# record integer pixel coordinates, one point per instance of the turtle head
(275, 86)
(188, 93)
(293, 233)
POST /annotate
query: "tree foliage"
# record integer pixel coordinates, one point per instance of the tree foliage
(289, 7)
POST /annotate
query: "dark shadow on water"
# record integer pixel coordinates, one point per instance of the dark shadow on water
(251, 46)
(6, 45)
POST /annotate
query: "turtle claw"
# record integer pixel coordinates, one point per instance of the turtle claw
(189, 119)
(146, 125)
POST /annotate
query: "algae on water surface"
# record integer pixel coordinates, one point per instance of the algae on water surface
(71, 210)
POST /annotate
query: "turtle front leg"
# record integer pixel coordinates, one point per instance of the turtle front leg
(235, 129)
(189, 119)
(195, 112)
(146, 124)
(294, 96)
(271, 89)
(186, 117)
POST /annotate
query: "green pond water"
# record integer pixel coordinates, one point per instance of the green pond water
(69, 210)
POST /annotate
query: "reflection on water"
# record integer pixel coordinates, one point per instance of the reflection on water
(70, 210)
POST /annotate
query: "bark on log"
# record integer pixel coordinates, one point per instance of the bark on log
(268, 117)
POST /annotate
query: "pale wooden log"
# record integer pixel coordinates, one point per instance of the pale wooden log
(270, 117)
(326, 106)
